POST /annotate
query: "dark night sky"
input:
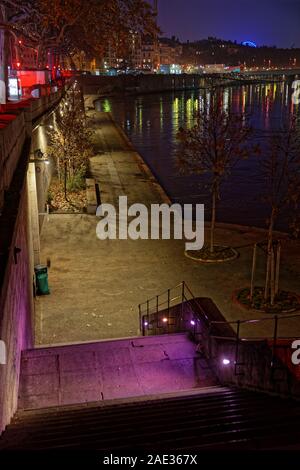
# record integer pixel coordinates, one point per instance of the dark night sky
(269, 22)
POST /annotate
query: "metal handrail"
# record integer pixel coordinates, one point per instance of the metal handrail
(193, 301)
(251, 338)
(162, 293)
(183, 297)
(162, 303)
(256, 320)
(169, 300)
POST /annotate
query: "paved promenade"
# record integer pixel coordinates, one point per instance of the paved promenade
(96, 286)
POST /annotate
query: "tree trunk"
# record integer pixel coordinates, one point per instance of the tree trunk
(272, 276)
(269, 255)
(278, 259)
(58, 170)
(65, 180)
(253, 272)
(39, 58)
(268, 275)
(213, 220)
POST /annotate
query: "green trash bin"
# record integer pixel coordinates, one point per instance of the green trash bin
(41, 280)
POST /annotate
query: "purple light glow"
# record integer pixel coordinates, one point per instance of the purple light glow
(193, 323)
(225, 362)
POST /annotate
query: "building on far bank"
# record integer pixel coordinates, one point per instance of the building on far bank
(152, 54)
(170, 69)
(170, 51)
(22, 57)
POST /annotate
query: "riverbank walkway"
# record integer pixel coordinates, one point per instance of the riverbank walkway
(96, 286)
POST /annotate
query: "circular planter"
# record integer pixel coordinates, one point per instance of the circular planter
(287, 302)
(222, 254)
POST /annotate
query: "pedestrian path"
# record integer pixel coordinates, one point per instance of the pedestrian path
(118, 168)
(96, 286)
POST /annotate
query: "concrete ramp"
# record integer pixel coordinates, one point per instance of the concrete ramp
(109, 370)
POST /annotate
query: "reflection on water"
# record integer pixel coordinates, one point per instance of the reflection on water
(152, 122)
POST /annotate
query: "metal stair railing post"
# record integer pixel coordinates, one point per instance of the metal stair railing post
(209, 340)
(182, 301)
(237, 345)
(142, 327)
(236, 362)
(200, 309)
(168, 310)
(275, 334)
(194, 328)
(148, 318)
(157, 316)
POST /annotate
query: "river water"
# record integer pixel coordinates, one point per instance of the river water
(152, 121)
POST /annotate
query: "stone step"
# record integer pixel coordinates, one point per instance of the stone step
(214, 418)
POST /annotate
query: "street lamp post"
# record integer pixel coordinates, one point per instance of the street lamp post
(39, 157)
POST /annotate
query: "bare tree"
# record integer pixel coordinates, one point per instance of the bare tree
(214, 146)
(71, 139)
(77, 25)
(281, 176)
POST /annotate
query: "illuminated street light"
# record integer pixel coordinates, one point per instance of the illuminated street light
(225, 362)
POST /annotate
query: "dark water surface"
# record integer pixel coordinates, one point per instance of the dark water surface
(152, 122)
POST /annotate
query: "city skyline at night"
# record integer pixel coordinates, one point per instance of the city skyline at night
(270, 23)
(149, 232)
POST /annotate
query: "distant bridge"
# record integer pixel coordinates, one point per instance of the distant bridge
(258, 76)
(271, 73)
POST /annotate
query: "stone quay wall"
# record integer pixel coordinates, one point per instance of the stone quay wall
(16, 243)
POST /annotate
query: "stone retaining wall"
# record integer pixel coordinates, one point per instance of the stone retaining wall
(12, 135)
(16, 244)
(15, 308)
(12, 138)
(102, 85)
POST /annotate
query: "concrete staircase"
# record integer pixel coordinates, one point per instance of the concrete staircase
(154, 393)
(211, 418)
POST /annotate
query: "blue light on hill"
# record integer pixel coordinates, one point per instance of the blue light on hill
(249, 44)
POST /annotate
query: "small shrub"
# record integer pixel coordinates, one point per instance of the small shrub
(76, 182)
